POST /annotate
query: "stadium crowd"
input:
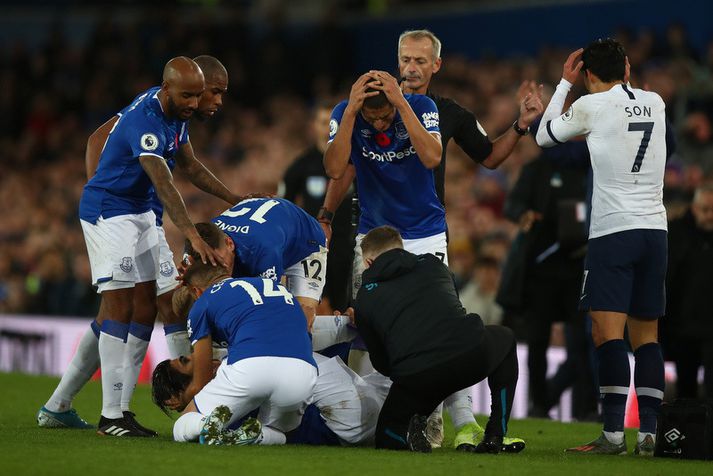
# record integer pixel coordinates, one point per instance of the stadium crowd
(56, 94)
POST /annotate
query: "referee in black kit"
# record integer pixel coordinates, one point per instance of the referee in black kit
(418, 333)
(419, 57)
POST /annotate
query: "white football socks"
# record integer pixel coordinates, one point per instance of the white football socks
(271, 436)
(81, 368)
(460, 408)
(111, 353)
(137, 344)
(178, 344)
(188, 427)
(615, 437)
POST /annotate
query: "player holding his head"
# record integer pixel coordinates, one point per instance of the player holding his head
(625, 267)
(126, 191)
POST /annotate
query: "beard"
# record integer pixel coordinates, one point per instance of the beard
(177, 112)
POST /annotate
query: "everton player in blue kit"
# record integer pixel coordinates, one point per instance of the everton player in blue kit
(271, 238)
(120, 228)
(269, 363)
(57, 411)
(393, 141)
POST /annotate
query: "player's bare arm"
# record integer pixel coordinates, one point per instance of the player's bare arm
(530, 99)
(336, 191)
(203, 373)
(336, 157)
(428, 145)
(95, 145)
(201, 177)
(160, 175)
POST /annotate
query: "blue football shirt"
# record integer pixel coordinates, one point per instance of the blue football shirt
(270, 235)
(394, 187)
(120, 186)
(252, 317)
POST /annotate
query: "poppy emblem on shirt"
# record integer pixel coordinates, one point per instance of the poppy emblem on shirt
(382, 139)
(149, 142)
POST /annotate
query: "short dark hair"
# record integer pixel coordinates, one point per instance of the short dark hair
(381, 239)
(167, 382)
(210, 233)
(377, 101)
(212, 68)
(606, 59)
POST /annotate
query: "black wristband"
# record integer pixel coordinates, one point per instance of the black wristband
(521, 132)
(325, 216)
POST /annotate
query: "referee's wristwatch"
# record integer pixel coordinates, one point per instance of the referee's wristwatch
(325, 216)
(521, 132)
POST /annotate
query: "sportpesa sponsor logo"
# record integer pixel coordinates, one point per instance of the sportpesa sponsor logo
(389, 156)
(430, 119)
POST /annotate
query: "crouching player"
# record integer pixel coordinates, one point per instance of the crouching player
(269, 364)
(271, 237)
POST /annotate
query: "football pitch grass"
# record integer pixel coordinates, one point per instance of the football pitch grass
(26, 449)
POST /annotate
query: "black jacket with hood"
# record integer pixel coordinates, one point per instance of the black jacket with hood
(409, 315)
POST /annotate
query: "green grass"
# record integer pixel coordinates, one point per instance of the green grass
(26, 449)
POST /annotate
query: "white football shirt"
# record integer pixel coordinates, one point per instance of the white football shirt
(625, 129)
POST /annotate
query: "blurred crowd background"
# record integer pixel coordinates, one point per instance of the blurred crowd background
(56, 90)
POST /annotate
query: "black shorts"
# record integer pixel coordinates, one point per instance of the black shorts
(626, 272)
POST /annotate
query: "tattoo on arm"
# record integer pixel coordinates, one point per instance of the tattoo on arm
(160, 175)
(201, 177)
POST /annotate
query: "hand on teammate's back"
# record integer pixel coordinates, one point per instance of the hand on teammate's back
(573, 66)
(349, 312)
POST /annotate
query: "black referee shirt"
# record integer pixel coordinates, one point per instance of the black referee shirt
(459, 124)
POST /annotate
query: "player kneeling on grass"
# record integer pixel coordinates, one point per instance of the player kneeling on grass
(269, 364)
(418, 333)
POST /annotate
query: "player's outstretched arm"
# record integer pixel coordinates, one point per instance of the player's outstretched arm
(95, 145)
(201, 177)
(530, 99)
(162, 180)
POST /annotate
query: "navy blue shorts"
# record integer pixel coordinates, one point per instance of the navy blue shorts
(626, 272)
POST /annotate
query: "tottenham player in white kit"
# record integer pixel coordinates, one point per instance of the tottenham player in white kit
(625, 268)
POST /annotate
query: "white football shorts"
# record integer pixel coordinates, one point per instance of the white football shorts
(123, 250)
(280, 386)
(306, 278)
(167, 273)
